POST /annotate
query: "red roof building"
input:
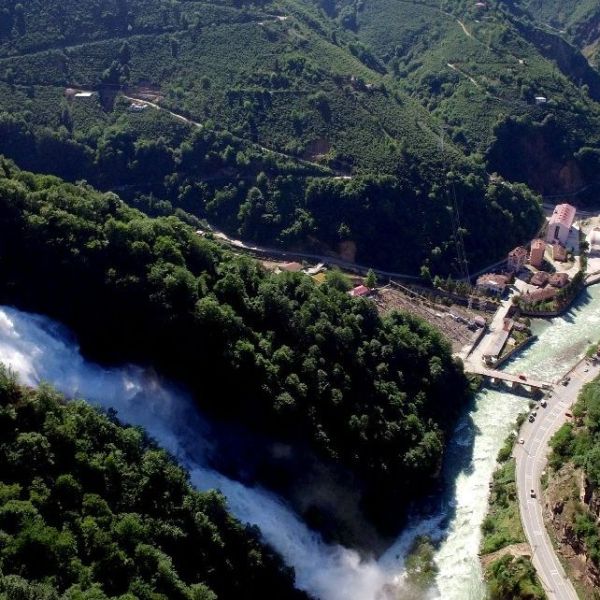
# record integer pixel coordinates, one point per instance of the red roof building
(558, 280)
(493, 282)
(517, 259)
(559, 253)
(536, 256)
(560, 224)
(541, 295)
(539, 279)
(360, 291)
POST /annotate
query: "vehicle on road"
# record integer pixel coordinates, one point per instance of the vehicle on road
(523, 377)
(531, 418)
(544, 403)
(569, 415)
(565, 381)
(532, 493)
(521, 441)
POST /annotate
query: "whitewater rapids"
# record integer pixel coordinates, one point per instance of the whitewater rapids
(40, 350)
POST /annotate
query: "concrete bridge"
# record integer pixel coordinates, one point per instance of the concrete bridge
(492, 376)
(592, 278)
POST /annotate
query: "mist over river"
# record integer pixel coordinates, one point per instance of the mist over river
(39, 349)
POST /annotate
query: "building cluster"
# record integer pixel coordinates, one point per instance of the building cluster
(555, 243)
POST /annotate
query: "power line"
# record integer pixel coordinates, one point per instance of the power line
(463, 264)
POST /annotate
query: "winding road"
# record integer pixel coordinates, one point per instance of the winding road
(290, 255)
(531, 458)
(327, 172)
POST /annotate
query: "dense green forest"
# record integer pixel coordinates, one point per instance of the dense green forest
(91, 510)
(579, 444)
(306, 364)
(308, 139)
(477, 68)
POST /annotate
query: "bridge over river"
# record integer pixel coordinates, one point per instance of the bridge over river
(514, 380)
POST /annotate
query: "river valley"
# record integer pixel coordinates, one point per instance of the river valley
(40, 350)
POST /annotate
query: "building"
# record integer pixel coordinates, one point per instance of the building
(536, 256)
(541, 99)
(497, 342)
(594, 241)
(558, 280)
(560, 224)
(541, 295)
(137, 107)
(559, 253)
(316, 269)
(360, 291)
(540, 279)
(517, 259)
(493, 283)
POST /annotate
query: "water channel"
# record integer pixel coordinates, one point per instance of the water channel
(40, 350)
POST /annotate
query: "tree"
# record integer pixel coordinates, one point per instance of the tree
(371, 280)
(425, 273)
(337, 280)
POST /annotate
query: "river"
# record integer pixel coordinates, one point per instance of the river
(39, 349)
(479, 436)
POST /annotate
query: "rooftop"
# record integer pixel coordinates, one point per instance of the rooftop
(564, 214)
(492, 279)
(537, 244)
(559, 280)
(540, 295)
(540, 278)
(360, 290)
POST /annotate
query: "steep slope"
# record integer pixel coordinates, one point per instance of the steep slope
(571, 497)
(288, 107)
(478, 68)
(92, 509)
(577, 20)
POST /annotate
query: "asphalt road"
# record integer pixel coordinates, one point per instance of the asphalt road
(531, 460)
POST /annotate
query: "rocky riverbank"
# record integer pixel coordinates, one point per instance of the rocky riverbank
(568, 502)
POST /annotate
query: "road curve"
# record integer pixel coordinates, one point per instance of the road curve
(531, 458)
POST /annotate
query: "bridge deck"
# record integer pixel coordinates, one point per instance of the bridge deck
(493, 374)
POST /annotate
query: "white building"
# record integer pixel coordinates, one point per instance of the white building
(560, 224)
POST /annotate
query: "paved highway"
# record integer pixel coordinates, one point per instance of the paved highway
(531, 460)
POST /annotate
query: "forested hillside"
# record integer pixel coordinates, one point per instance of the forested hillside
(574, 490)
(478, 67)
(307, 365)
(311, 135)
(90, 509)
(577, 20)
